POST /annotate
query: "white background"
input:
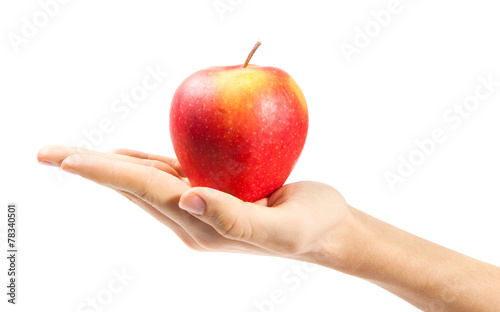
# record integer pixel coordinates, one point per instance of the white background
(364, 114)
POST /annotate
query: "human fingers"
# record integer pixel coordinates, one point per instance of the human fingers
(156, 188)
(174, 163)
(54, 155)
(265, 227)
(196, 234)
(176, 228)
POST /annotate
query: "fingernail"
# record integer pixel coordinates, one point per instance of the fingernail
(193, 204)
(47, 163)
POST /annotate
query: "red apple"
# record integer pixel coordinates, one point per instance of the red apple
(239, 129)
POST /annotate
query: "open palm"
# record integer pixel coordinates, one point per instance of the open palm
(290, 223)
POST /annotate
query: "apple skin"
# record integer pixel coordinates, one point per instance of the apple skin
(239, 130)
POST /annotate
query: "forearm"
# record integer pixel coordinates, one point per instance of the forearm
(427, 275)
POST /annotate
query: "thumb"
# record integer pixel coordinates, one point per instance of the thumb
(228, 215)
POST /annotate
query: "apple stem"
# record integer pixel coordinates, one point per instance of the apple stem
(255, 47)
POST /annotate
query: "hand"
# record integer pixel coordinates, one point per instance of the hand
(293, 222)
(306, 221)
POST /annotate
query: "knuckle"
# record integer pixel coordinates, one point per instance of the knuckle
(153, 163)
(235, 225)
(160, 166)
(147, 191)
(113, 169)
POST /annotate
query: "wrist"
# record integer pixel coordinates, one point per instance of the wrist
(341, 248)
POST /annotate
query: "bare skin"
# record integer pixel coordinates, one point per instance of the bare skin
(306, 221)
